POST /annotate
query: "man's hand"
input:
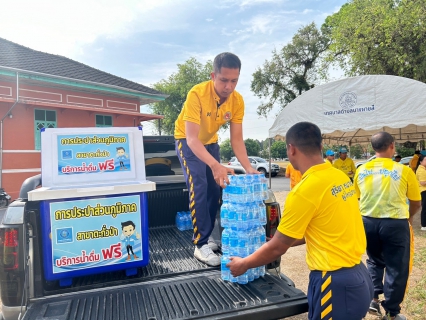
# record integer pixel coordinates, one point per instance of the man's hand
(252, 171)
(220, 174)
(237, 266)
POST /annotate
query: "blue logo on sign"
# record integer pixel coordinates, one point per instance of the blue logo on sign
(66, 154)
(64, 235)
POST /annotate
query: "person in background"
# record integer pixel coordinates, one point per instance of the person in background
(208, 106)
(294, 175)
(398, 158)
(421, 177)
(321, 211)
(415, 160)
(329, 155)
(383, 186)
(345, 164)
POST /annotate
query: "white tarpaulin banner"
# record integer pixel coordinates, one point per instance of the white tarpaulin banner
(351, 110)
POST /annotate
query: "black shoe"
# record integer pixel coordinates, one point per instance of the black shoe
(374, 308)
(399, 316)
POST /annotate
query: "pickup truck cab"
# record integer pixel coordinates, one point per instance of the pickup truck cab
(174, 285)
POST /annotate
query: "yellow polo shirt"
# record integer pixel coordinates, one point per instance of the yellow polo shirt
(421, 176)
(323, 208)
(201, 107)
(294, 175)
(346, 166)
(383, 186)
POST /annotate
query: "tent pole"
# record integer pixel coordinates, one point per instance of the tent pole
(270, 163)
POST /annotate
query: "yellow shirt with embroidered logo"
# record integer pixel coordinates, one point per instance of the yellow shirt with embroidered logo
(323, 208)
(201, 107)
(346, 166)
(383, 187)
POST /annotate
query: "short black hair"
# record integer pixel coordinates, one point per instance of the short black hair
(306, 137)
(120, 148)
(417, 152)
(381, 141)
(226, 60)
(127, 223)
(398, 156)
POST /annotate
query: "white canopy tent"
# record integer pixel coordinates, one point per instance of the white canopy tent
(350, 110)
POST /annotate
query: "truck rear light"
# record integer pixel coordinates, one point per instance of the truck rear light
(10, 246)
(273, 218)
(273, 213)
(11, 266)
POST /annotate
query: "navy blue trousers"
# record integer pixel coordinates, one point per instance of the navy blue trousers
(204, 192)
(388, 247)
(344, 294)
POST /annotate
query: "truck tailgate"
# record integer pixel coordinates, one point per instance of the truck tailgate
(190, 296)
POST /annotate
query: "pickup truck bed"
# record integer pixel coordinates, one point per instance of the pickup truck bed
(173, 286)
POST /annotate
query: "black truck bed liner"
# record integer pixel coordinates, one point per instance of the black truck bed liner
(174, 285)
(195, 296)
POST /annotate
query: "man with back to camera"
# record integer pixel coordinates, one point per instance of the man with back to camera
(208, 106)
(323, 211)
(345, 164)
(383, 187)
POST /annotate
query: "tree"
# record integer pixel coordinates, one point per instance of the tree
(379, 37)
(279, 149)
(357, 151)
(291, 71)
(177, 87)
(226, 151)
(252, 147)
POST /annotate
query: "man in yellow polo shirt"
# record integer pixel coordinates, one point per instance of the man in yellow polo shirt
(345, 164)
(321, 211)
(208, 106)
(294, 175)
(383, 187)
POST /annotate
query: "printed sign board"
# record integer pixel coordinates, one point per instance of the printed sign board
(100, 233)
(80, 156)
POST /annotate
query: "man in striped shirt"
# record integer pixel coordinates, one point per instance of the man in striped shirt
(383, 187)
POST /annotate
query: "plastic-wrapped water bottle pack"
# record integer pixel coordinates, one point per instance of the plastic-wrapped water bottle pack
(243, 215)
(183, 220)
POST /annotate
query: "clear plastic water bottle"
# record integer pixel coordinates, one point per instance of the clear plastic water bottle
(225, 193)
(243, 279)
(250, 275)
(233, 243)
(264, 187)
(233, 194)
(224, 270)
(262, 271)
(248, 180)
(251, 208)
(243, 244)
(242, 214)
(225, 240)
(232, 215)
(180, 221)
(257, 187)
(240, 194)
(188, 220)
(262, 235)
(262, 213)
(224, 214)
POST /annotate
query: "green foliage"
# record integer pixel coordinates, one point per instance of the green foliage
(226, 151)
(379, 37)
(403, 151)
(177, 87)
(279, 149)
(252, 147)
(357, 151)
(291, 71)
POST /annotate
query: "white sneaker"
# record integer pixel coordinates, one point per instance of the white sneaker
(423, 228)
(206, 255)
(212, 244)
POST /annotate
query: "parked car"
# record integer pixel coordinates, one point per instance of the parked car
(360, 163)
(406, 160)
(257, 163)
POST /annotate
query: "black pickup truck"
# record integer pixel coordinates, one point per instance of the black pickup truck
(174, 285)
